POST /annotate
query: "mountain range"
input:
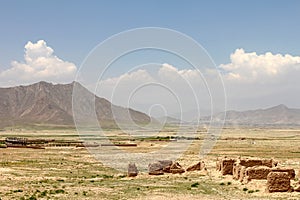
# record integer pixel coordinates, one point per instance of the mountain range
(47, 103)
(51, 104)
(277, 115)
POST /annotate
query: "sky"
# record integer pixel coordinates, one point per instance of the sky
(254, 44)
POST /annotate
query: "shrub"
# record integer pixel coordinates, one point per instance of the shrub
(32, 198)
(59, 191)
(19, 190)
(107, 176)
(44, 193)
(195, 184)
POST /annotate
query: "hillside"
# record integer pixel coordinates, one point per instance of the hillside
(277, 115)
(46, 103)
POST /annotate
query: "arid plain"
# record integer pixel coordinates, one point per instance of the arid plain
(70, 172)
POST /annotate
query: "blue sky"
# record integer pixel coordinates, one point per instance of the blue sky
(73, 28)
(255, 43)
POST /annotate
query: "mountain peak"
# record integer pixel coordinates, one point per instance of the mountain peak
(280, 107)
(48, 103)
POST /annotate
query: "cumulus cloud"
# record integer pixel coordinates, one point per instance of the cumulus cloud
(40, 63)
(251, 81)
(134, 77)
(253, 67)
(167, 86)
(261, 80)
(167, 75)
(171, 73)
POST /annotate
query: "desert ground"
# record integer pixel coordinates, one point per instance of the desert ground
(70, 172)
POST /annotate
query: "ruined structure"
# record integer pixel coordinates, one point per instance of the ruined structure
(236, 170)
(256, 172)
(291, 172)
(197, 167)
(278, 182)
(225, 165)
(160, 167)
(155, 169)
(166, 165)
(132, 170)
(246, 170)
(176, 168)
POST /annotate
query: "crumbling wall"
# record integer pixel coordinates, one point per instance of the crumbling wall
(155, 168)
(278, 182)
(227, 166)
(196, 167)
(166, 165)
(257, 162)
(257, 172)
(160, 167)
(250, 162)
(132, 170)
(241, 166)
(291, 172)
(218, 164)
(242, 173)
(236, 170)
(176, 168)
(269, 163)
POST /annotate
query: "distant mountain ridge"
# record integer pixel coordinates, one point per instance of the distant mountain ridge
(47, 103)
(168, 120)
(277, 115)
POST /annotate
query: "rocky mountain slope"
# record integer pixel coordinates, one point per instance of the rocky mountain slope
(46, 103)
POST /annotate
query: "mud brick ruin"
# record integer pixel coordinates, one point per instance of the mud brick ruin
(197, 166)
(248, 169)
(256, 172)
(225, 165)
(279, 182)
(168, 166)
(132, 170)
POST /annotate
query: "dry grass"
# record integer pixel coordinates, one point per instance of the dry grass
(72, 173)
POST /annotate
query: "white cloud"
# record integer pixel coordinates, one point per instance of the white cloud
(253, 67)
(171, 73)
(168, 86)
(261, 80)
(39, 63)
(251, 81)
(167, 75)
(134, 77)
